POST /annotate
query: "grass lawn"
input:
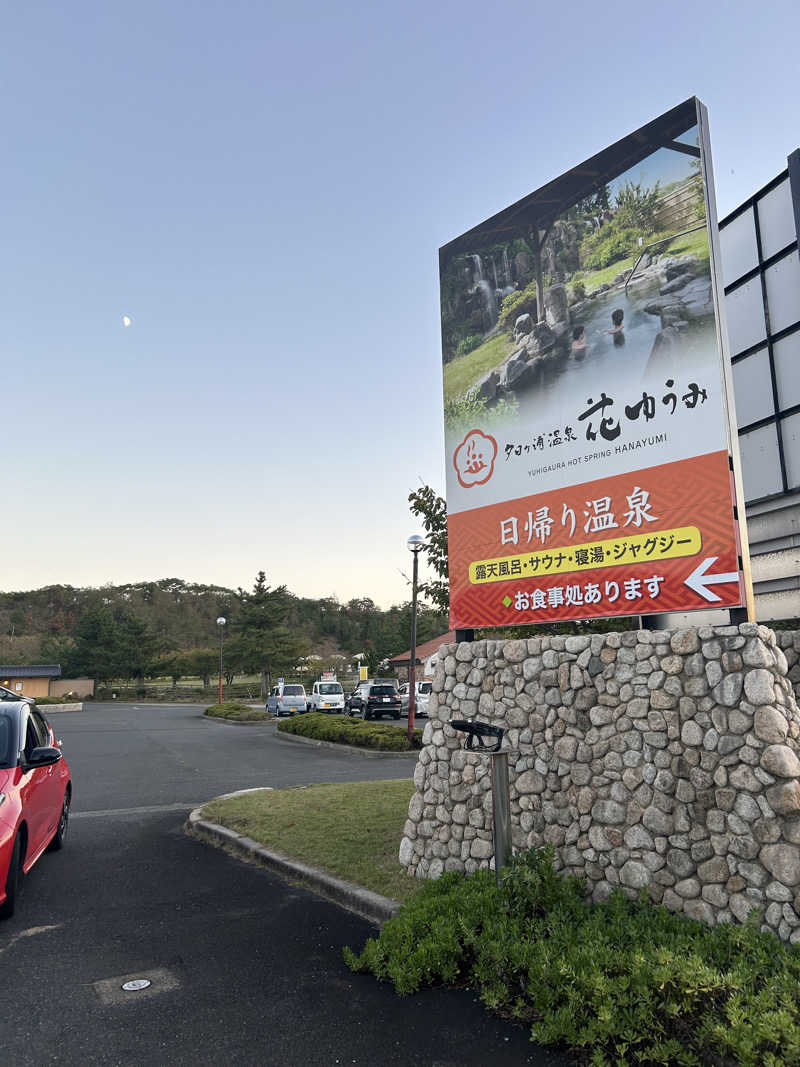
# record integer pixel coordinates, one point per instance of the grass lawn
(462, 373)
(696, 243)
(350, 829)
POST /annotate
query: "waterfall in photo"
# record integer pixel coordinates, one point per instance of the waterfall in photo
(494, 273)
(489, 300)
(507, 268)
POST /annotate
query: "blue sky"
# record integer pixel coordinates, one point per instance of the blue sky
(263, 189)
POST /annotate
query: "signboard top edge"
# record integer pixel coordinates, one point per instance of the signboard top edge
(544, 204)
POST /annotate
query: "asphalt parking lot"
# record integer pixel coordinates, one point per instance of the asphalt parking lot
(244, 967)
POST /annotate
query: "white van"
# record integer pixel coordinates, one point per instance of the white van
(327, 697)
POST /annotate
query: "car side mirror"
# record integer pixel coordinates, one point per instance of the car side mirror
(44, 756)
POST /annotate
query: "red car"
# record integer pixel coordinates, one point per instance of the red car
(35, 794)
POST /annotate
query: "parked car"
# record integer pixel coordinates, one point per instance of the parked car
(354, 701)
(35, 794)
(379, 699)
(423, 691)
(327, 697)
(9, 694)
(287, 700)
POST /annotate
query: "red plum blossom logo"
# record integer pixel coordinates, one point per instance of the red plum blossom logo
(474, 459)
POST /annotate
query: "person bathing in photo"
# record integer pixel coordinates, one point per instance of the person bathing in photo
(578, 342)
(618, 331)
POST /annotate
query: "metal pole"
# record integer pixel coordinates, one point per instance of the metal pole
(219, 701)
(412, 667)
(501, 812)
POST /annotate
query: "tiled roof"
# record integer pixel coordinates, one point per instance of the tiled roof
(423, 651)
(37, 670)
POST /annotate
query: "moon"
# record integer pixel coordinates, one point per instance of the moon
(126, 321)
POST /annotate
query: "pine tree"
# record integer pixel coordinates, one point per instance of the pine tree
(265, 644)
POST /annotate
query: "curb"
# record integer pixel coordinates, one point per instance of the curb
(355, 898)
(370, 753)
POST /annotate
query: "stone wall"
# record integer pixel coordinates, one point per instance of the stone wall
(658, 759)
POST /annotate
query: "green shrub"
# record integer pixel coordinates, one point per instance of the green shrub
(468, 343)
(522, 302)
(236, 711)
(67, 698)
(607, 245)
(464, 411)
(351, 732)
(636, 206)
(622, 982)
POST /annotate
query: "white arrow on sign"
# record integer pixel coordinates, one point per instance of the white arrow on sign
(698, 580)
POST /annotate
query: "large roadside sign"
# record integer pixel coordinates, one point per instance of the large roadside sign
(590, 464)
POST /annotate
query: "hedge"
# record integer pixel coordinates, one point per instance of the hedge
(237, 712)
(620, 982)
(354, 732)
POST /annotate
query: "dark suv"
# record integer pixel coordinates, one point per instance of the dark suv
(379, 699)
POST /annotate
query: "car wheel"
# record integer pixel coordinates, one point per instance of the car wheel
(13, 880)
(63, 822)
(367, 715)
(396, 715)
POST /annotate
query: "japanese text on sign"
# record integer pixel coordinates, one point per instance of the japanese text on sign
(616, 552)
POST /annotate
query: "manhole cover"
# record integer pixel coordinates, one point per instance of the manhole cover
(115, 990)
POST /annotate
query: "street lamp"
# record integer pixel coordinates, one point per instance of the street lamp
(415, 545)
(221, 623)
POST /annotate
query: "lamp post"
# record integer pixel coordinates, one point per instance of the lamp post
(415, 544)
(221, 623)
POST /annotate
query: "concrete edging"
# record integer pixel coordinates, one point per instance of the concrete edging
(355, 898)
(46, 709)
(370, 753)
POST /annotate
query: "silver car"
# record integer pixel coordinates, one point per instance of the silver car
(287, 700)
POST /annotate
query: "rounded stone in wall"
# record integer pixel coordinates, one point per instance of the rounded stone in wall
(608, 812)
(729, 691)
(782, 862)
(688, 888)
(781, 761)
(756, 654)
(684, 642)
(515, 651)
(770, 726)
(480, 849)
(634, 875)
(691, 733)
(715, 895)
(700, 910)
(785, 798)
(759, 687)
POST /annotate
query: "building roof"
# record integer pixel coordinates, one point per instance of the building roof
(36, 670)
(423, 651)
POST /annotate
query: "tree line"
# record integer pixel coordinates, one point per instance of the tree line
(168, 629)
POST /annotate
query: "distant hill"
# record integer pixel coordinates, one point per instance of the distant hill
(183, 615)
